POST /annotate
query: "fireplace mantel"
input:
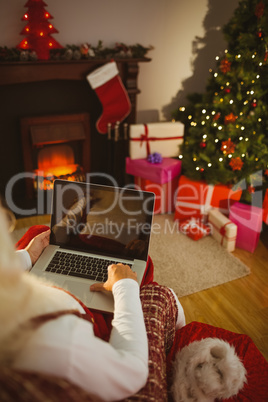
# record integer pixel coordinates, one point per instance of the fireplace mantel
(24, 72)
(77, 70)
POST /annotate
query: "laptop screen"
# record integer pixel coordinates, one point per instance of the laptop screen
(105, 220)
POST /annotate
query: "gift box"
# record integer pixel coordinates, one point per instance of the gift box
(161, 179)
(194, 228)
(163, 137)
(265, 208)
(222, 229)
(159, 172)
(196, 198)
(164, 193)
(248, 219)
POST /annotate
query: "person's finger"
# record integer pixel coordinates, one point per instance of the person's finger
(45, 235)
(97, 287)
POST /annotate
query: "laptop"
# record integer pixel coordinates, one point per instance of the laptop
(93, 226)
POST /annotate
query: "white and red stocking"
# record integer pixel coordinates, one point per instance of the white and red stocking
(112, 94)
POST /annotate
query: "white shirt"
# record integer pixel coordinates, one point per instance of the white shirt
(67, 347)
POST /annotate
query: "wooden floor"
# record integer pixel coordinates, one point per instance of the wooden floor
(240, 306)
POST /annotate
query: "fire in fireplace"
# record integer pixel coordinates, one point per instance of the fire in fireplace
(55, 147)
(56, 161)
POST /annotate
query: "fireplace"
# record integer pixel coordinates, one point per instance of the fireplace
(51, 88)
(56, 162)
(56, 146)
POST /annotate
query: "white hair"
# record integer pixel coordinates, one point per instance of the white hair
(8, 258)
(22, 295)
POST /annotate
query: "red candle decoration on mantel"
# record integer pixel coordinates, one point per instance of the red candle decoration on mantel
(38, 30)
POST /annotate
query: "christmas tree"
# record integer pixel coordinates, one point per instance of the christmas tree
(38, 30)
(226, 139)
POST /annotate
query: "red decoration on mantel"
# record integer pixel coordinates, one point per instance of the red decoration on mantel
(38, 30)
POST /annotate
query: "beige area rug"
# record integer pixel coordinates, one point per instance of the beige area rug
(189, 266)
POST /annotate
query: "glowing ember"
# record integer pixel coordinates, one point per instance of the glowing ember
(56, 162)
(57, 171)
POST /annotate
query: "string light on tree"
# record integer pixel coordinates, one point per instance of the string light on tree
(233, 110)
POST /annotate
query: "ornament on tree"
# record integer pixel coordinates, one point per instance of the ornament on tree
(227, 90)
(251, 189)
(236, 163)
(266, 172)
(259, 33)
(228, 147)
(259, 10)
(38, 30)
(203, 144)
(217, 116)
(107, 84)
(254, 103)
(225, 66)
(230, 118)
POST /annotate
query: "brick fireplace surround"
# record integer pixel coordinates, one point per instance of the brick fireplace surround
(34, 89)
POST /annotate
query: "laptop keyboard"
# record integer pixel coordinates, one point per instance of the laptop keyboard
(80, 266)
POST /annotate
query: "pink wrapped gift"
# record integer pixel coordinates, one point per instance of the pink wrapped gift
(265, 208)
(248, 219)
(158, 173)
(222, 229)
(162, 137)
(160, 178)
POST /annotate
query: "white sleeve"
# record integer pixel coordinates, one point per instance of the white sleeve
(112, 370)
(25, 259)
(120, 366)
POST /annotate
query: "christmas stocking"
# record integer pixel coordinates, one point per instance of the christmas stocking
(112, 94)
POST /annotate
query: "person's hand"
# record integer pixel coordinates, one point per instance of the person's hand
(115, 273)
(37, 245)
